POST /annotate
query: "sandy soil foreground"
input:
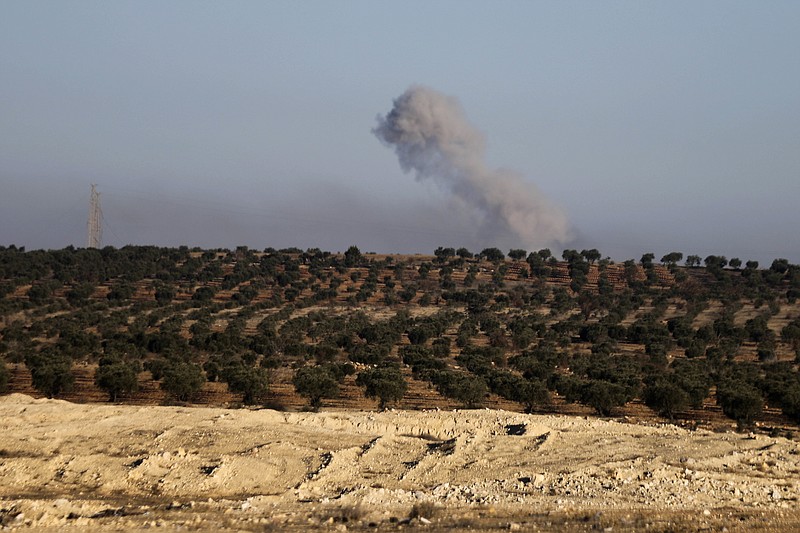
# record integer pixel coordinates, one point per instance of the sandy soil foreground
(114, 467)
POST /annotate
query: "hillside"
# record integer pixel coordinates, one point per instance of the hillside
(713, 345)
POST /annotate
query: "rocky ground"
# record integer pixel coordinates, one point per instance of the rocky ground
(114, 467)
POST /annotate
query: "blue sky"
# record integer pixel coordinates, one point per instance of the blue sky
(656, 126)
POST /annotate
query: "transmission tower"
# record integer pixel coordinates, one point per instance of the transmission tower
(95, 228)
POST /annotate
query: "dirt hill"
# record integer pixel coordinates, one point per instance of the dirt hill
(66, 466)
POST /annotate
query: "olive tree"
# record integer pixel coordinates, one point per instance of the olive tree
(182, 381)
(492, 254)
(116, 377)
(251, 382)
(50, 372)
(385, 383)
(671, 258)
(517, 254)
(315, 383)
(4, 376)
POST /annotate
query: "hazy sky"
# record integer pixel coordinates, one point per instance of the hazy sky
(655, 126)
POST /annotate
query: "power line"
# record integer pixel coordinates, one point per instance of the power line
(109, 228)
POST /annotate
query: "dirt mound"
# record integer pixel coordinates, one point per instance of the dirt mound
(67, 465)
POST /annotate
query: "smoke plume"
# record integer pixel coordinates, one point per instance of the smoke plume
(432, 137)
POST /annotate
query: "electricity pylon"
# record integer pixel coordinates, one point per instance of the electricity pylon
(95, 228)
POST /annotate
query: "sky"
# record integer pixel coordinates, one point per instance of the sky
(652, 126)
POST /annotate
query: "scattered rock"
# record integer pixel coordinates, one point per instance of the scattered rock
(446, 447)
(516, 429)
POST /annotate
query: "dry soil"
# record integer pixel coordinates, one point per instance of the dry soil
(67, 466)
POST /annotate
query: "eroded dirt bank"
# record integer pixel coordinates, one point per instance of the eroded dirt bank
(71, 466)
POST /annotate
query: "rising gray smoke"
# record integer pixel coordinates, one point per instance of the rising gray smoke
(432, 137)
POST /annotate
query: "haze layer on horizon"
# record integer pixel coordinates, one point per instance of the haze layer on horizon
(654, 127)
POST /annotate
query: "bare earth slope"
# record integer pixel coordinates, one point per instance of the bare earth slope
(71, 466)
